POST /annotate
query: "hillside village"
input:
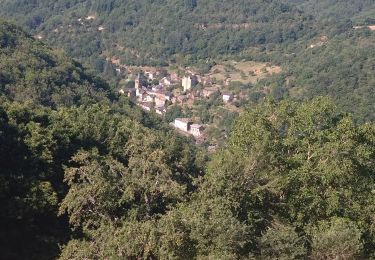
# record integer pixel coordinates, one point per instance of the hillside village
(155, 91)
(157, 96)
(228, 84)
(159, 89)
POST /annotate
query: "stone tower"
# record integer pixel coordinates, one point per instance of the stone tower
(137, 86)
(186, 83)
(137, 83)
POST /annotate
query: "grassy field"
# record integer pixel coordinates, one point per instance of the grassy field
(244, 71)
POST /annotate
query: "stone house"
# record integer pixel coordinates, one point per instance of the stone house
(160, 110)
(227, 97)
(146, 105)
(183, 124)
(196, 130)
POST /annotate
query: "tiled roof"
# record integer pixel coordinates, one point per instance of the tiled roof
(185, 120)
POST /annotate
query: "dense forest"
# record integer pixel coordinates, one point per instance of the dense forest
(202, 29)
(192, 28)
(86, 174)
(342, 68)
(53, 112)
(31, 71)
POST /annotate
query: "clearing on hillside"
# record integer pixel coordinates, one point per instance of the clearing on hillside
(243, 71)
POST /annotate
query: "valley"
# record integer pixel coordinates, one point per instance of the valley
(187, 129)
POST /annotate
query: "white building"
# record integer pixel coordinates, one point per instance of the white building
(139, 92)
(189, 82)
(208, 92)
(227, 97)
(186, 83)
(183, 124)
(159, 100)
(138, 87)
(157, 87)
(90, 17)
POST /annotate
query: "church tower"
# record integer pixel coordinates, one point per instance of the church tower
(137, 81)
(137, 85)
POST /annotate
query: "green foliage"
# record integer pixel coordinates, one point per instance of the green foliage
(134, 192)
(282, 242)
(29, 194)
(103, 150)
(313, 147)
(173, 112)
(341, 69)
(197, 29)
(116, 169)
(31, 71)
(338, 238)
(300, 162)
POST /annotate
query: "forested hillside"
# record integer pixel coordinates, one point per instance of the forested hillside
(202, 29)
(342, 67)
(204, 33)
(336, 10)
(32, 71)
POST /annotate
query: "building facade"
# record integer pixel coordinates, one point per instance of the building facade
(183, 124)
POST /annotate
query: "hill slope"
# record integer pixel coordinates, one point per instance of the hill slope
(32, 71)
(52, 111)
(154, 31)
(200, 33)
